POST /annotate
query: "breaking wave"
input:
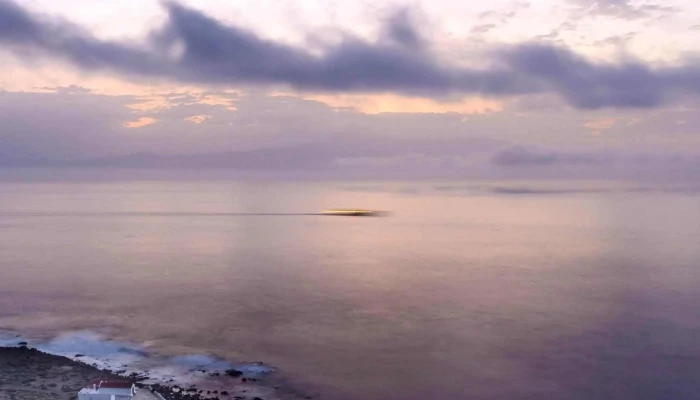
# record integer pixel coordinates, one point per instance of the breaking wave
(132, 358)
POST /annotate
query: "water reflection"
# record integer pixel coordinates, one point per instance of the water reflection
(576, 295)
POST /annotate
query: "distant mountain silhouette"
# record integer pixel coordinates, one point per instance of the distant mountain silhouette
(272, 159)
(13, 155)
(298, 157)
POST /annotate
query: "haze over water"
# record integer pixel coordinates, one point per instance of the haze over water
(475, 290)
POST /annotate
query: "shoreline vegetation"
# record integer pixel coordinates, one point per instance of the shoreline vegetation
(30, 374)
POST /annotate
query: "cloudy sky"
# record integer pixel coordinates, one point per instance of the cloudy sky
(343, 84)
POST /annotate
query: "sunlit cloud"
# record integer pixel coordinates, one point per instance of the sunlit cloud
(597, 126)
(164, 101)
(151, 104)
(139, 123)
(391, 103)
(197, 119)
(227, 100)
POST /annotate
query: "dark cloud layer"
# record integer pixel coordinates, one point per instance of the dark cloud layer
(518, 155)
(192, 47)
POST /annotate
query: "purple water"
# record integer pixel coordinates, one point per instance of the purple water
(475, 290)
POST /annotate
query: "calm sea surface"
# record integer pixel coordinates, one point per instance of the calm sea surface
(474, 290)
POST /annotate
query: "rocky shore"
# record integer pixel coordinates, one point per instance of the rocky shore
(30, 374)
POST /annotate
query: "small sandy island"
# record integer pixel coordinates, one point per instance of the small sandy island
(30, 374)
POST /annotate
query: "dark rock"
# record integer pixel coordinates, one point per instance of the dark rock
(225, 393)
(79, 355)
(234, 373)
(22, 344)
(244, 380)
(257, 398)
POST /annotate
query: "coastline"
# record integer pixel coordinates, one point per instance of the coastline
(28, 373)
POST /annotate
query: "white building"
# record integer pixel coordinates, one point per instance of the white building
(106, 390)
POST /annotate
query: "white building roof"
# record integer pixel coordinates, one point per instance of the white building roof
(109, 388)
(114, 391)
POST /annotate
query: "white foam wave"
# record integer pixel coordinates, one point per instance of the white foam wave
(206, 371)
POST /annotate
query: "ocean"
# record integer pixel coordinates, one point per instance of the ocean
(466, 290)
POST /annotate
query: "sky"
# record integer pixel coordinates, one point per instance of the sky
(585, 87)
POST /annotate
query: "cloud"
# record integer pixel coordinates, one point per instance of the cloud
(139, 123)
(597, 126)
(389, 103)
(400, 29)
(519, 155)
(590, 86)
(197, 119)
(72, 89)
(605, 161)
(625, 9)
(503, 16)
(192, 47)
(90, 125)
(74, 126)
(483, 28)
(411, 160)
(620, 41)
